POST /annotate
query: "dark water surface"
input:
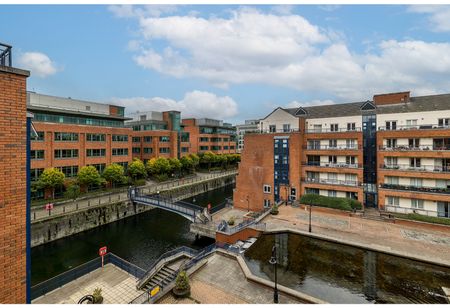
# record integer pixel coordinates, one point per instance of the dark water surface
(340, 273)
(140, 239)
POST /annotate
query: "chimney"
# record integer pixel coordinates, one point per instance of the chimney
(391, 98)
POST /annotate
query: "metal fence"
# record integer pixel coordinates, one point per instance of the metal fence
(5, 55)
(437, 190)
(81, 270)
(404, 210)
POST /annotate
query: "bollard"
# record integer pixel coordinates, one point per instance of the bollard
(34, 215)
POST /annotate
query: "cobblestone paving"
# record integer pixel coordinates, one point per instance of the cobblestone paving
(416, 241)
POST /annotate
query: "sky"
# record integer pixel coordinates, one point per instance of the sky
(229, 62)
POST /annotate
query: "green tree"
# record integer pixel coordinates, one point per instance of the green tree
(195, 161)
(175, 165)
(208, 159)
(51, 178)
(137, 169)
(187, 164)
(114, 174)
(158, 166)
(72, 191)
(221, 160)
(88, 175)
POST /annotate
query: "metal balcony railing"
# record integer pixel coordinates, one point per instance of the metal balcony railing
(273, 131)
(331, 182)
(5, 55)
(329, 130)
(413, 127)
(328, 147)
(406, 167)
(406, 210)
(423, 189)
(332, 165)
(415, 148)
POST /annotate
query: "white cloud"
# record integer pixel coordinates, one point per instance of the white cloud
(153, 10)
(438, 15)
(194, 104)
(38, 63)
(251, 46)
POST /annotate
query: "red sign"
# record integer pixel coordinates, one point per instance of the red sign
(102, 251)
(49, 206)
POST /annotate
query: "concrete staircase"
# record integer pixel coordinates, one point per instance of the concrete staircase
(372, 214)
(162, 278)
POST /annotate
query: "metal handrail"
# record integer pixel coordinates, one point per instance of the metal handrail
(273, 131)
(5, 55)
(332, 182)
(328, 147)
(407, 167)
(405, 210)
(422, 147)
(328, 130)
(331, 165)
(424, 189)
(414, 127)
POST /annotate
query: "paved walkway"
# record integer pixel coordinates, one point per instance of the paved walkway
(39, 213)
(420, 242)
(118, 287)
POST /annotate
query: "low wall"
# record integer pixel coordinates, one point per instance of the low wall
(63, 225)
(242, 235)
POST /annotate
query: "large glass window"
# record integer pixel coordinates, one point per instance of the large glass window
(95, 152)
(95, 137)
(164, 139)
(120, 152)
(35, 174)
(164, 150)
(66, 136)
(120, 138)
(40, 136)
(56, 118)
(37, 154)
(66, 153)
(69, 171)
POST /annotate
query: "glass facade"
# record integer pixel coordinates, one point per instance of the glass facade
(81, 120)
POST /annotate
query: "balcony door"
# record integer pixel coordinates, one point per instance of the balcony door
(443, 209)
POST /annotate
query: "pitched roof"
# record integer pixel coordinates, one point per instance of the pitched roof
(330, 111)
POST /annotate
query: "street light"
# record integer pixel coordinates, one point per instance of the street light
(286, 200)
(157, 192)
(273, 261)
(310, 208)
(248, 204)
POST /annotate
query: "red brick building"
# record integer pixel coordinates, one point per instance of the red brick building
(14, 252)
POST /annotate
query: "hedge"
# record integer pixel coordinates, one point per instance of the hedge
(345, 204)
(419, 217)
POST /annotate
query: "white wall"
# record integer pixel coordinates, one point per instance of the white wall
(423, 118)
(278, 118)
(341, 121)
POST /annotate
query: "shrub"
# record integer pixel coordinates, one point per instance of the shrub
(430, 219)
(274, 210)
(139, 182)
(161, 177)
(345, 204)
(231, 221)
(182, 287)
(97, 294)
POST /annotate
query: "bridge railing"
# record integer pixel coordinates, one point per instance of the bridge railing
(53, 283)
(168, 205)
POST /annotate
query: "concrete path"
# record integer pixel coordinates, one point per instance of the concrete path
(118, 287)
(416, 241)
(39, 213)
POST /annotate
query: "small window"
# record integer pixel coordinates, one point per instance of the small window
(88, 108)
(266, 203)
(417, 203)
(351, 126)
(272, 128)
(395, 201)
(286, 128)
(266, 189)
(334, 127)
(143, 117)
(411, 123)
(444, 122)
(391, 125)
(332, 193)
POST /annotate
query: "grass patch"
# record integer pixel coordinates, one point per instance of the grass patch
(345, 204)
(418, 217)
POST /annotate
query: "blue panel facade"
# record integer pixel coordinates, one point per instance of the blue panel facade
(281, 164)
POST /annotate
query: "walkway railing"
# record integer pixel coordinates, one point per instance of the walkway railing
(329, 130)
(81, 270)
(223, 226)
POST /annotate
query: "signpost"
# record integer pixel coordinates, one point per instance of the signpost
(102, 252)
(49, 208)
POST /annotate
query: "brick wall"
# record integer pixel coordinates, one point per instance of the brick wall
(13, 187)
(391, 98)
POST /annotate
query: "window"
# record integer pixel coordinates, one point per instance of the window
(216, 147)
(416, 182)
(313, 191)
(184, 150)
(266, 203)
(444, 122)
(351, 195)
(266, 189)
(332, 159)
(317, 128)
(66, 137)
(164, 139)
(286, 128)
(226, 139)
(350, 178)
(332, 143)
(71, 153)
(441, 183)
(391, 161)
(95, 152)
(35, 174)
(414, 162)
(272, 128)
(351, 126)
(395, 201)
(95, 137)
(136, 150)
(148, 150)
(204, 148)
(392, 180)
(136, 139)
(411, 123)
(414, 142)
(120, 138)
(204, 139)
(332, 176)
(350, 143)
(417, 204)
(143, 117)
(164, 150)
(69, 171)
(124, 164)
(99, 167)
(231, 147)
(38, 137)
(81, 120)
(391, 143)
(148, 139)
(37, 154)
(391, 125)
(350, 160)
(215, 139)
(225, 147)
(120, 152)
(332, 193)
(334, 127)
(313, 144)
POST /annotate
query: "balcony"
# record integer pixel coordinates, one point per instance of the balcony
(331, 165)
(413, 127)
(5, 55)
(329, 130)
(273, 131)
(331, 182)
(327, 147)
(423, 168)
(406, 210)
(432, 190)
(415, 148)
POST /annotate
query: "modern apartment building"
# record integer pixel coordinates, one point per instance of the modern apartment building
(391, 153)
(210, 135)
(158, 134)
(73, 133)
(249, 126)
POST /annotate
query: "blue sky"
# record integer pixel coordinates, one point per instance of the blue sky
(231, 62)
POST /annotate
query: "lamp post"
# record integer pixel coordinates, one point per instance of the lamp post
(248, 204)
(273, 261)
(157, 192)
(286, 200)
(310, 208)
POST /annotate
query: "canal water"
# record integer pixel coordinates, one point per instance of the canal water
(140, 239)
(340, 273)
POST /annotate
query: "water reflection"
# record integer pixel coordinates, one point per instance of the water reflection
(343, 274)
